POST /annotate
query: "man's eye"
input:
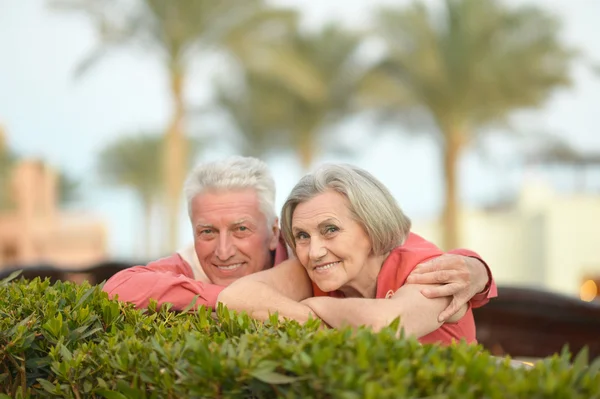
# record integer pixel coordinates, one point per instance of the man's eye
(205, 232)
(242, 228)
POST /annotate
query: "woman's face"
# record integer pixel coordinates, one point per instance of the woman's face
(330, 244)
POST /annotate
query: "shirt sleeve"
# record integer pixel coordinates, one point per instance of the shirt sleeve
(490, 290)
(168, 280)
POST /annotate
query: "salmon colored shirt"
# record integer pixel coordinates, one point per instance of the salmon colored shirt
(396, 268)
(177, 279)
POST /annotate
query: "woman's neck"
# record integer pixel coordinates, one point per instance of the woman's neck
(365, 284)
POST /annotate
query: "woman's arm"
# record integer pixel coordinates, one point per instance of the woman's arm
(279, 289)
(418, 315)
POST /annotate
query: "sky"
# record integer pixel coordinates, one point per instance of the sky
(50, 114)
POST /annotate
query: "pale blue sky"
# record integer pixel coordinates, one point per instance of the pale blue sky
(49, 114)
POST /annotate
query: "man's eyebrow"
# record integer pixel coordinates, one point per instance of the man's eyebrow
(240, 221)
(204, 225)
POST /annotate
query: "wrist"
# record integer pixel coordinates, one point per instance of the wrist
(483, 275)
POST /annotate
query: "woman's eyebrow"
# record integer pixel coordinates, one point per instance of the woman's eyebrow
(328, 222)
(296, 229)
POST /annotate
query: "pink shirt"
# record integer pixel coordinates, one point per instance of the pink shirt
(178, 278)
(394, 271)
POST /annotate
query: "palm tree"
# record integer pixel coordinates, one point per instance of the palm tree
(135, 162)
(176, 30)
(307, 82)
(468, 66)
(257, 112)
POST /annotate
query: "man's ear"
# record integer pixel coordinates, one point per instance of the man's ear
(274, 241)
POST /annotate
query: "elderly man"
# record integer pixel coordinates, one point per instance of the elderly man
(231, 204)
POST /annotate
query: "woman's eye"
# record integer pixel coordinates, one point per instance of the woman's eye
(301, 236)
(331, 229)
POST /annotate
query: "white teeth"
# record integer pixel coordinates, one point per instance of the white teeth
(230, 267)
(326, 267)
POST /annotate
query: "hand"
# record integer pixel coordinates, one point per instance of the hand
(462, 278)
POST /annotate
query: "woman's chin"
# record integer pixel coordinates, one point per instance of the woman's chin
(328, 286)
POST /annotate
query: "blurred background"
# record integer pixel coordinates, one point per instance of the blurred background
(481, 117)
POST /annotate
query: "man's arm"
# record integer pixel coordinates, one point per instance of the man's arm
(464, 279)
(279, 289)
(166, 280)
(418, 315)
(463, 273)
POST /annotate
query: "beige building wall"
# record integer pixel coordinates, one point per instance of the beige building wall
(35, 231)
(546, 240)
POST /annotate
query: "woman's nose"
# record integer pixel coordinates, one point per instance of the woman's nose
(317, 249)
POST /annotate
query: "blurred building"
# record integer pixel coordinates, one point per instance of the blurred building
(545, 240)
(35, 231)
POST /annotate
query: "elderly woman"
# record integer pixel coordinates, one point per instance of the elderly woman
(347, 233)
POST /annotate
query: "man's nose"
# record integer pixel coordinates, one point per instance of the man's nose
(225, 248)
(317, 250)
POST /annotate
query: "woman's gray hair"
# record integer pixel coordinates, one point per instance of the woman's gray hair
(234, 173)
(370, 203)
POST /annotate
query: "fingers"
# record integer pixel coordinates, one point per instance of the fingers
(430, 266)
(433, 277)
(454, 307)
(441, 291)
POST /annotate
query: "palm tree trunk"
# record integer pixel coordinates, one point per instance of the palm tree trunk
(450, 218)
(306, 150)
(147, 206)
(175, 158)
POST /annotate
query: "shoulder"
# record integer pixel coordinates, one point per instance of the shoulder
(401, 261)
(174, 260)
(174, 263)
(413, 252)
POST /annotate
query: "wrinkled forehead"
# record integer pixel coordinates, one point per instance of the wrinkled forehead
(226, 206)
(329, 205)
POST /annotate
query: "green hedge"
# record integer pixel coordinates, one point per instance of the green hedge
(67, 340)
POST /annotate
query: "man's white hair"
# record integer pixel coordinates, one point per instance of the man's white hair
(234, 173)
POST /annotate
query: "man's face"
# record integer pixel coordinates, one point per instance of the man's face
(231, 236)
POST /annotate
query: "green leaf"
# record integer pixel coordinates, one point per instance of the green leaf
(111, 394)
(272, 377)
(66, 353)
(594, 368)
(10, 277)
(191, 305)
(581, 360)
(85, 296)
(91, 332)
(47, 385)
